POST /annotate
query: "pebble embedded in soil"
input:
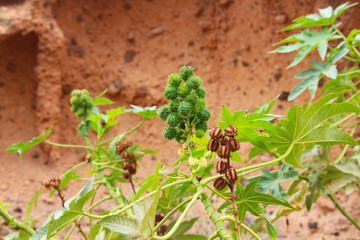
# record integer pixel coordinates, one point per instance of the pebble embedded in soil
(129, 56)
(115, 88)
(155, 32)
(284, 96)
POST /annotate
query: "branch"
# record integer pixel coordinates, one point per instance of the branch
(18, 224)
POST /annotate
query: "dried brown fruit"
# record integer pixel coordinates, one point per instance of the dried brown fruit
(127, 144)
(224, 140)
(219, 183)
(221, 166)
(234, 144)
(224, 151)
(126, 175)
(132, 167)
(213, 145)
(119, 147)
(231, 175)
(125, 165)
(131, 155)
(216, 134)
(231, 131)
(124, 154)
(47, 184)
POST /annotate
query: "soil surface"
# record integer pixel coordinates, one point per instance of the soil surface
(48, 48)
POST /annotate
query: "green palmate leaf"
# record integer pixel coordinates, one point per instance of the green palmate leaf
(62, 218)
(21, 147)
(271, 181)
(235, 156)
(183, 228)
(312, 77)
(326, 17)
(152, 180)
(343, 82)
(146, 112)
(306, 126)
(249, 200)
(148, 223)
(271, 229)
(247, 126)
(190, 237)
(307, 41)
(126, 227)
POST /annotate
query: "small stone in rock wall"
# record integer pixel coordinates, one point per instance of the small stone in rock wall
(284, 96)
(155, 32)
(115, 88)
(129, 56)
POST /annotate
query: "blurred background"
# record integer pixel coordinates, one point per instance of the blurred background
(48, 48)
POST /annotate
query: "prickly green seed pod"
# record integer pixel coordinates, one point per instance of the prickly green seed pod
(74, 108)
(193, 161)
(80, 113)
(193, 82)
(75, 92)
(202, 162)
(171, 93)
(200, 133)
(174, 80)
(169, 133)
(173, 119)
(74, 100)
(85, 92)
(202, 125)
(88, 103)
(164, 112)
(174, 105)
(83, 98)
(186, 72)
(204, 114)
(192, 98)
(183, 91)
(185, 108)
(201, 103)
(201, 92)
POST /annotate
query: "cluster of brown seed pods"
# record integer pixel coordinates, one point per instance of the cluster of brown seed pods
(54, 183)
(130, 164)
(224, 144)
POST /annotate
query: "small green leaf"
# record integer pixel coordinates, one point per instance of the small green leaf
(147, 112)
(183, 228)
(128, 228)
(271, 229)
(21, 147)
(102, 101)
(151, 182)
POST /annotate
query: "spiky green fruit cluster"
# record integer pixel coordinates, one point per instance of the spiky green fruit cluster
(186, 111)
(81, 102)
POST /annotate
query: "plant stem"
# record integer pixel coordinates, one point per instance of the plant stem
(181, 218)
(343, 211)
(216, 192)
(348, 73)
(69, 145)
(229, 218)
(17, 223)
(218, 222)
(235, 213)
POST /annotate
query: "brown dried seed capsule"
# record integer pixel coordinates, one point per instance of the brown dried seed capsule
(224, 151)
(219, 183)
(234, 145)
(213, 145)
(47, 184)
(124, 154)
(125, 165)
(130, 155)
(231, 174)
(221, 166)
(216, 134)
(132, 167)
(224, 140)
(231, 131)
(119, 147)
(162, 230)
(126, 175)
(127, 144)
